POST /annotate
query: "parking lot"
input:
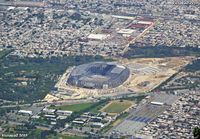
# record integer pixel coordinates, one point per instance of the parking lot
(144, 114)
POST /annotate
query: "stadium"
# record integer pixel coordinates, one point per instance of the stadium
(98, 75)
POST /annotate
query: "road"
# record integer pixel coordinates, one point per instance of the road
(61, 102)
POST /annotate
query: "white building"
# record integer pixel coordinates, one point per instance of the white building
(157, 103)
(98, 36)
(25, 112)
(97, 124)
(48, 111)
(64, 112)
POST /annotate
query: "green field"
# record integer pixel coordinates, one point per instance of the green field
(40, 134)
(98, 107)
(160, 51)
(74, 107)
(117, 106)
(64, 137)
(4, 53)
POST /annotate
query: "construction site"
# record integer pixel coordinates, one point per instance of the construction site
(145, 75)
(98, 75)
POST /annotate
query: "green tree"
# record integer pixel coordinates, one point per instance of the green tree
(196, 133)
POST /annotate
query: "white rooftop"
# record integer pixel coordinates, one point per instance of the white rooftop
(98, 36)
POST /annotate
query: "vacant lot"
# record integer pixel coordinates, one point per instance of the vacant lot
(117, 106)
(148, 73)
(74, 107)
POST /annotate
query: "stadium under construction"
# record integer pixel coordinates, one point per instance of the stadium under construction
(113, 79)
(98, 75)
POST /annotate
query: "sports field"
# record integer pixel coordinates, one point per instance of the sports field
(74, 107)
(117, 106)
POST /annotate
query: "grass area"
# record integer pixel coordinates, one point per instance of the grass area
(114, 123)
(160, 51)
(60, 136)
(136, 99)
(41, 134)
(98, 107)
(193, 67)
(123, 116)
(4, 53)
(74, 107)
(30, 79)
(117, 106)
(40, 121)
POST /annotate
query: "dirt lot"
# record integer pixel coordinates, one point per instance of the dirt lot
(149, 73)
(117, 106)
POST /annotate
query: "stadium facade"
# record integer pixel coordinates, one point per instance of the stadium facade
(98, 75)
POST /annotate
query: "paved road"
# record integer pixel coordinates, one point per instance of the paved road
(62, 102)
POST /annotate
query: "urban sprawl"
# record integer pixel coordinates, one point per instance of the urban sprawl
(157, 98)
